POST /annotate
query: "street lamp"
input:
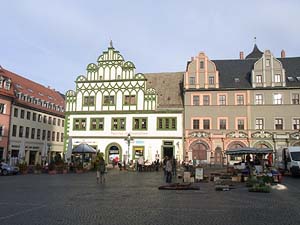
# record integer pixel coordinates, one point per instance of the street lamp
(128, 139)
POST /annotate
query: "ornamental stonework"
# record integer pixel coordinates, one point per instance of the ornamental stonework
(262, 135)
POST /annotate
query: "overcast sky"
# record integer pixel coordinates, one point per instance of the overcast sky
(51, 42)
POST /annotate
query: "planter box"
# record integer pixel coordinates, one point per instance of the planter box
(52, 172)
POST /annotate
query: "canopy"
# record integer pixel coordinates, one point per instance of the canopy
(247, 150)
(83, 148)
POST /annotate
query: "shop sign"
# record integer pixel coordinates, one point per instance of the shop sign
(168, 143)
(113, 151)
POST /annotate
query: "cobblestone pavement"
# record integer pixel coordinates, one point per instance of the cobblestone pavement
(133, 198)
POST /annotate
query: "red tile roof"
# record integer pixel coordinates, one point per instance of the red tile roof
(33, 89)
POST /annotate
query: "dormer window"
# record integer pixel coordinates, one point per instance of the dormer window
(211, 80)
(291, 79)
(236, 80)
(258, 79)
(192, 80)
(7, 84)
(201, 65)
(277, 78)
(1, 81)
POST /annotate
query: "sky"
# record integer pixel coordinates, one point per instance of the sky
(52, 41)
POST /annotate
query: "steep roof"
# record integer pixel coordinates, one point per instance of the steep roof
(292, 71)
(255, 54)
(33, 89)
(168, 87)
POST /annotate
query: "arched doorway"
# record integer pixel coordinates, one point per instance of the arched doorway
(199, 151)
(113, 151)
(263, 144)
(218, 156)
(296, 144)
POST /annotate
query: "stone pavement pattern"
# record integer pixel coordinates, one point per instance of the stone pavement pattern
(133, 198)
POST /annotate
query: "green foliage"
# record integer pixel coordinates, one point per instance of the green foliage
(260, 188)
(38, 167)
(23, 166)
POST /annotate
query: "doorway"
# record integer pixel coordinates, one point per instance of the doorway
(168, 151)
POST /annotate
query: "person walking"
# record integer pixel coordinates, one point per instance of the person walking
(169, 171)
(101, 171)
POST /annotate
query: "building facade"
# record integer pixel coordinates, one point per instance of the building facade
(125, 114)
(6, 98)
(36, 119)
(252, 101)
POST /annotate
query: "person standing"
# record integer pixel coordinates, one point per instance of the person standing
(169, 171)
(102, 169)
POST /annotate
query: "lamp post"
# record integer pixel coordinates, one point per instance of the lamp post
(128, 139)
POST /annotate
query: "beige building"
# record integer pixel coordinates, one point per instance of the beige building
(36, 121)
(252, 101)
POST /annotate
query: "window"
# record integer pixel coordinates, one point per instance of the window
(118, 124)
(22, 114)
(240, 99)
(32, 133)
(2, 108)
(295, 98)
(50, 120)
(222, 99)
(240, 124)
(88, 100)
(38, 134)
(259, 124)
(258, 79)
(201, 65)
(278, 124)
(222, 125)
(21, 131)
(39, 118)
(196, 100)
(296, 124)
(97, 124)
(258, 99)
(53, 135)
(44, 135)
(192, 80)
(267, 62)
(206, 124)
(54, 121)
(14, 131)
(62, 123)
(28, 115)
(62, 137)
(45, 119)
(109, 100)
(27, 132)
(277, 78)
(16, 112)
(129, 100)
(1, 131)
(277, 99)
(79, 124)
(48, 135)
(206, 100)
(58, 122)
(57, 136)
(196, 124)
(34, 116)
(139, 123)
(166, 123)
(211, 80)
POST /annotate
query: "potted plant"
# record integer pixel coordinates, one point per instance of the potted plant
(79, 168)
(52, 168)
(38, 168)
(23, 167)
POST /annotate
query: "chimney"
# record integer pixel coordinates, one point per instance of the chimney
(282, 53)
(241, 55)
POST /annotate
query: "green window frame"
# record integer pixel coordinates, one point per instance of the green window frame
(97, 124)
(118, 123)
(79, 124)
(88, 100)
(129, 100)
(108, 100)
(140, 123)
(166, 123)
